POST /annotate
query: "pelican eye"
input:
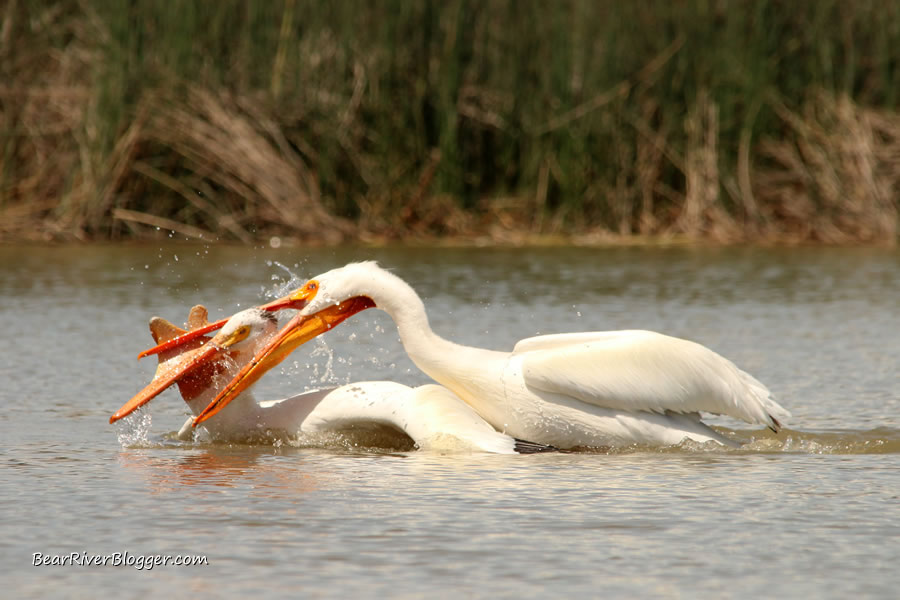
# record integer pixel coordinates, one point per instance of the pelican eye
(306, 292)
(310, 289)
(239, 335)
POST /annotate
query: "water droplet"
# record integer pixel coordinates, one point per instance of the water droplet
(138, 426)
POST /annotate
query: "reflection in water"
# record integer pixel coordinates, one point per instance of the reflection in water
(218, 467)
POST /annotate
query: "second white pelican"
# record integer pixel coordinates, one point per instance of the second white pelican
(431, 415)
(609, 388)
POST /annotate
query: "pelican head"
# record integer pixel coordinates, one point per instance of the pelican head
(355, 280)
(324, 302)
(240, 338)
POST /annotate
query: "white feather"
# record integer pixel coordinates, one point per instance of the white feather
(643, 371)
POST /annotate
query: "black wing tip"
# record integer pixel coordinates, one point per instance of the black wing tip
(776, 424)
(526, 447)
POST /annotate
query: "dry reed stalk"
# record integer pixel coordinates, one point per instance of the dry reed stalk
(650, 154)
(623, 193)
(230, 142)
(223, 221)
(837, 178)
(117, 168)
(701, 213)
(44, 98)
(132, 216)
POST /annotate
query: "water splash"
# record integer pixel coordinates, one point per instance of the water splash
(880, 440)
(133, 430)
(328, 375)
(283, 283)
(875, 441)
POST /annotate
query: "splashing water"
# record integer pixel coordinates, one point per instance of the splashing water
(282, 286)
(328, 375)
(134, 429)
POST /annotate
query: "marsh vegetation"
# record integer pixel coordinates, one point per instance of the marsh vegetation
(722, 120)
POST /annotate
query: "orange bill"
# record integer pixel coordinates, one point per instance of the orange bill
(285, 302)
(183, 339)
(298, 331)
(193, 367)
(172, 371)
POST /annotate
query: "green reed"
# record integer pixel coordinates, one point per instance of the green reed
(561, 116)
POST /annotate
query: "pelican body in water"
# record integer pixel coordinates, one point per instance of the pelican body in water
(432, 416)
(608, 388)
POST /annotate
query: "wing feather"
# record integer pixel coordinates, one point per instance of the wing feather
(645, 371)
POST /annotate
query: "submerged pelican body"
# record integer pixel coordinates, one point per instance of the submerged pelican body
(432, 416)
(609, 388)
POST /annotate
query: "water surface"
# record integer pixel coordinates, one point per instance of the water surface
(812, 511)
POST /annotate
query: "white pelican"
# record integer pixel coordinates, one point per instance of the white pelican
(431, 415)
(608, 388)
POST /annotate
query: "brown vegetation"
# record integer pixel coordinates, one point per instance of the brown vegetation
(331, 139)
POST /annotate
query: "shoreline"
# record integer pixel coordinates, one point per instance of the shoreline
(507, 239)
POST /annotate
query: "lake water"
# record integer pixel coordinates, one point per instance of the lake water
(811, 512)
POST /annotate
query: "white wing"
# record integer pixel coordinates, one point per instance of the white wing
(645, 371)
(440, 420)
(433, 416)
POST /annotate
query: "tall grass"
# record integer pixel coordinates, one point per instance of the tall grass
(722, 119)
